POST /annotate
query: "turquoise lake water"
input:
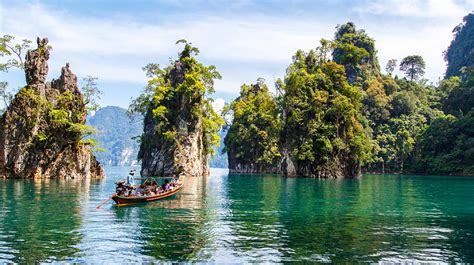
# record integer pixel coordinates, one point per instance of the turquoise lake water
(249, 218)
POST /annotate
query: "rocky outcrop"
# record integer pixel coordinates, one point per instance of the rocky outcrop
(186, 154)
(42, 129)
(174, 140)
(337, 168)
(252, 168)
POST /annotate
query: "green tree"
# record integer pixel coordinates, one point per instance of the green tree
(376, 102)
(6, 95)
(403, 103)
(14, 53)
(384, 147)
(390, 85)
(253, 137)
(413, 66)
(321, 122)
(91, 93)
(177, 93)
(446, 86)
(460, 101)
(412, 106)
(391, 65)
(405, 129)
(351, 54)
(447, 146)
(404, 145)
(356, 51)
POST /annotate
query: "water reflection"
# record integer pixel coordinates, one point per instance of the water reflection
(38, 219)
(378, 218)
(231, 218)
(176, 228)
(256, 233)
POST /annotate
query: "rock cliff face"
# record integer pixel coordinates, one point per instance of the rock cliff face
(161, 157)
(252, 168)
(174, 140)
(337, 168)
(41, 135)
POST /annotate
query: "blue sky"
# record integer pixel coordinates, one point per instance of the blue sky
(244, 39)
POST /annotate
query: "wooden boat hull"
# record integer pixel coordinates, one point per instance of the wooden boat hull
(124, 200)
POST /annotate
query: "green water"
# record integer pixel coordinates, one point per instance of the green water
(231, 218)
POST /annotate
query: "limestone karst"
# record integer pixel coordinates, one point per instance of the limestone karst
(42, 131)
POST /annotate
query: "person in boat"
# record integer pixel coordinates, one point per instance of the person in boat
(129, 190)
(174, 181)
(130, 177)
(120, 189)
(140, 190)
(166, 185)
(147, 191)
(154, 187)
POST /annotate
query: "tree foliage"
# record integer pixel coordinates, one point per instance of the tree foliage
(447, 146)
(413, 66)
(391, 65)
(181, 91)
(429, 129)
(320, 110)
(356, 51)
(460, 100)
(63, 114)
(14, 53)
(460, 53)
(376, 102)
(346, 110)
(91, 93)
(253, 137)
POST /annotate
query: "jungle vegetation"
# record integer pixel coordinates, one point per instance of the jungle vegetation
(344, 106)
(254, 134)
(66, 114)
(180, 93)
(334, 102)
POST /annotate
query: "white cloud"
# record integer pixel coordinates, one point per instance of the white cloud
(397, 43)
(416, 8)
(218, 104)
(115, 49)
(243, 46)
(245, 39)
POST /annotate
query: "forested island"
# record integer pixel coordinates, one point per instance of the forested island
(180, 126)
(335, 114)
(116, 133)
(43, 132)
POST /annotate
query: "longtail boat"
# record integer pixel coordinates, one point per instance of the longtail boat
(133, 199)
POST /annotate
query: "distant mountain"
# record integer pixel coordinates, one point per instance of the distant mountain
(115, 131)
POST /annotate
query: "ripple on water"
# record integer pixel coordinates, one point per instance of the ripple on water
(242, 219)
